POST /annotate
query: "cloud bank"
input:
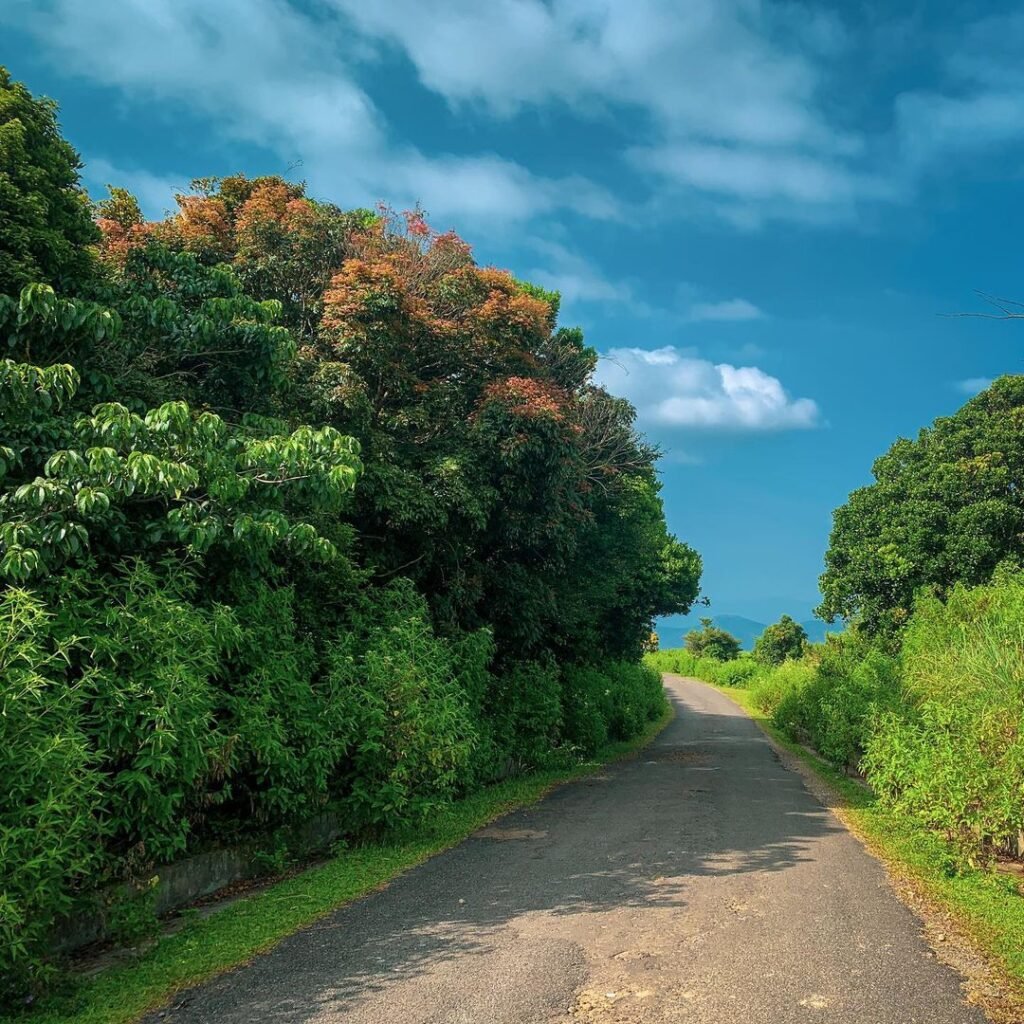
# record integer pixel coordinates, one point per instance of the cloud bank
(733, 108)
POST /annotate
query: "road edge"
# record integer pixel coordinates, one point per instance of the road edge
(953, 939)
(125, 994)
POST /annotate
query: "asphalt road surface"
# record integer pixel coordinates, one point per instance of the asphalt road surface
(700, 882)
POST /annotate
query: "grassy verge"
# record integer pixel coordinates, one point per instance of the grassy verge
(988, 906)
(207, 947)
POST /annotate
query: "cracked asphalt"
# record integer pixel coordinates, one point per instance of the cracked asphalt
(700, 882)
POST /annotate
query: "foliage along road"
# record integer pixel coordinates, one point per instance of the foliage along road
(700, 882)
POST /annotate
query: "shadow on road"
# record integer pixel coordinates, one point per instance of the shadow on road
(709, 798)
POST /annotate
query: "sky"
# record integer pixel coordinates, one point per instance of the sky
(761, 212)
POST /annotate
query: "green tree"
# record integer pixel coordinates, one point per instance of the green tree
(780, 641)
(711, 642)
(46, 226)
(945, 508)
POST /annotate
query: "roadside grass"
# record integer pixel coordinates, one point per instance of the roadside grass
(987, 905)
(206, 947)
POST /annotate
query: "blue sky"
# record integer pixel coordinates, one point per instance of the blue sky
(758, 211)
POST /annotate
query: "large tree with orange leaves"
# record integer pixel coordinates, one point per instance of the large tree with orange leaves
(496, 469)
(510, 488)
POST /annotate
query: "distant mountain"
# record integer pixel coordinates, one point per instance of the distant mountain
(816, 629)
(745, 630)
(672, 628)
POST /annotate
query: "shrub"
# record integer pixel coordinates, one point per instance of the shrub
(771, 688)
(784, 640)
(586, 707)
(148, 701)
(953, 755)
(737, 672)
(848, 705)
(711, 642)
(49, 823)
(407, 732)
(637, 697)
(831, 700)
(526, 713)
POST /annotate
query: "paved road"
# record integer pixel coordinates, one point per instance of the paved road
(699, 883)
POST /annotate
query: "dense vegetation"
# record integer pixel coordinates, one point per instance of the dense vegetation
(711, 642)
(298, 507)
(947, 508)
(922, 693)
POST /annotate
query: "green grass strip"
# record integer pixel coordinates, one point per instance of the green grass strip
(988, 905)
(209, 946)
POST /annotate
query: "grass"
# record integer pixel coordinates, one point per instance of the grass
(207, 947)
(988, 905)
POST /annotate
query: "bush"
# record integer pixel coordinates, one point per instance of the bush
(952, 755)
(50, 830)
(711, 642)
(771, 688)
(586, 708)
(637, 697)
(405, 732)
(526, 714)
(831, 699)
(148, 703)
(782, 641)
(740, 672)
(737, 672)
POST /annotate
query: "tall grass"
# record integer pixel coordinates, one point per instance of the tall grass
(952, 752)
(938, 731)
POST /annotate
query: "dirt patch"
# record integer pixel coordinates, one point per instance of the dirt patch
(504, 835)
(681, 756)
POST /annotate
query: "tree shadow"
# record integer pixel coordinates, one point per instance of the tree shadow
(709, 798)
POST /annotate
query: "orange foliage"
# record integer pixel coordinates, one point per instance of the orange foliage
(429, 277)
(202, 222)
(507, 306)
(272, 203)
(116, 240)
(529, 397)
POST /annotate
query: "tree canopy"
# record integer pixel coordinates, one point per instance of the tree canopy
(299, 507)
(46, 224)
(945, 508)
(712, 642)
(780, 642)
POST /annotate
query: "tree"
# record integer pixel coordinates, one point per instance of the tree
(46, 226)
(510, 488)
(781, 641)
(711, 642)
(282, 244)
(945, 508)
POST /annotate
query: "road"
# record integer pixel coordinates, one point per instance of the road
(700, 882)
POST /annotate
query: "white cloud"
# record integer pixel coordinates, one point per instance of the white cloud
(980, 106)
(267, 73)
(733, 112)
(674, 390)
(577, 279)
(728, 107)
(707, 67)
(972, 385)
(729, 310)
